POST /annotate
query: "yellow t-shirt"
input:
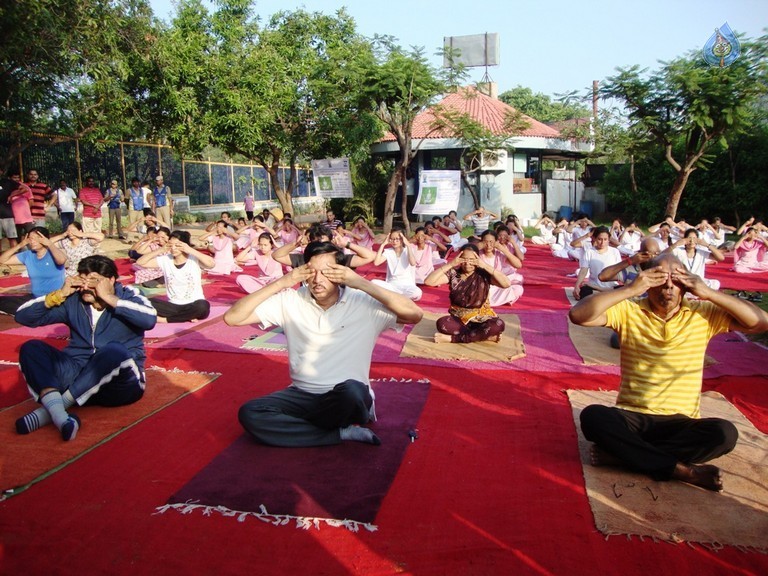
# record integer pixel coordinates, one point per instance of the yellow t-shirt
(662, 362)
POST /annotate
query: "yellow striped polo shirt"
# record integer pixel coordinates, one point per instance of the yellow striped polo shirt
(662, 362)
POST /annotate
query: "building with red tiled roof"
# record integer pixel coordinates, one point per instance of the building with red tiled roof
(510, 179)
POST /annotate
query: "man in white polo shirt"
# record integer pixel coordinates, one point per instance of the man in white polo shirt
(331, 322)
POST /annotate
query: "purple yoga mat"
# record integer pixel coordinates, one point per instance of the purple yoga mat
(345, 482)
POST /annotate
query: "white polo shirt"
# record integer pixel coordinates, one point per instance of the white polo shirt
(327, 347)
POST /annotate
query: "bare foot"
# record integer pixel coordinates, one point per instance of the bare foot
(599, 457)
(703, 475)
(194, 320)
(497, 339)
(162, 320)
(441, 338)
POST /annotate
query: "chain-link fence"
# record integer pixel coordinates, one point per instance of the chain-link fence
(206, 183)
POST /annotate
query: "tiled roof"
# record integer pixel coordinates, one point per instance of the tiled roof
(490, 112)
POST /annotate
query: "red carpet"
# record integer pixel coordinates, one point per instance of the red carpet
(723, 271)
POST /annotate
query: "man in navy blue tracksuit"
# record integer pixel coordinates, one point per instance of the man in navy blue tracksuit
(103, 364)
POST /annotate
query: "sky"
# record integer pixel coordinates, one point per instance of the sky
(550, 46)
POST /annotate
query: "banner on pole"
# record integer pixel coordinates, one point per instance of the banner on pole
(332, 178)
(439, 192)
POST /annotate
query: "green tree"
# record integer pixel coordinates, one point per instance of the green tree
(397, 85)
(69, 67)
(541, 107)
(277, 95)
(178, 80)
(690, 102)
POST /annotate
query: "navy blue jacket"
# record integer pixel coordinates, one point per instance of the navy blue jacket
(126, 323)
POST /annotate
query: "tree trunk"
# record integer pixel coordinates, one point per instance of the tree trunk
(632, 181)
(389, 200)
(404, 202)
(285, 197)
(673, 200)
(472, 191)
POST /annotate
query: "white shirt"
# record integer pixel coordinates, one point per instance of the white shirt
(694, 265)
(399, 269)
(327, 347)
(184, 285)
(595, 261)
(630, 242)
(66, 199)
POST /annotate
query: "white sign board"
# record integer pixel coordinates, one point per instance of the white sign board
(472, 50)
(439, 192)
(331, 177)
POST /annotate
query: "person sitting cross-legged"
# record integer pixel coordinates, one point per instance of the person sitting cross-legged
(470, 317)
(655, 427)
(103, 363)
(331, 323)
(182, 267)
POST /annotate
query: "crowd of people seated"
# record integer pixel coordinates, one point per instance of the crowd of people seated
(263, 248)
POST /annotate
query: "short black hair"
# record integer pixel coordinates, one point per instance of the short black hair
(316, 231)
(317, 248)
(102, 265)
(182, 235)
(40, 230)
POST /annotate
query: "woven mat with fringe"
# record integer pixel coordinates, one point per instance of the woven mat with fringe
(30, 458)
(421, 343)
(631, 504)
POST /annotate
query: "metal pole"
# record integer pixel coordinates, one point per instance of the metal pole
(122, 164)
(79, 167)
(232, 181)
(210, 183)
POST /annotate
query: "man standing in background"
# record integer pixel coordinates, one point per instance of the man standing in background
(21, 202)
(162, 201)
(7, 223)
(92, 200)
(65, 200)
(41, 194)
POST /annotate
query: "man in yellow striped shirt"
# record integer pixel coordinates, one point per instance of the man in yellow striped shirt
(655, 426)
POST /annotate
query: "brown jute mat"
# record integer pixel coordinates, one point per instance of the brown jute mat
(627, 503)
(421, 343)
(593, 344)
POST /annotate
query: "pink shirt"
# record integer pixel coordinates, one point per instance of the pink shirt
(92, 196)
(22, 213)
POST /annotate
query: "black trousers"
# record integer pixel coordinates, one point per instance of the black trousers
(197, 310)
(293, 417)
(652, 444)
